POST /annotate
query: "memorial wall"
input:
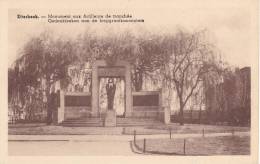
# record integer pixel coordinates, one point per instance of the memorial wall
(77, 105)
(146, 104)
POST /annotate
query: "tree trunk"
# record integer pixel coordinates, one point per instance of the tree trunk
(181, 118)
(49, 105)
(200, 115)
(191, 118)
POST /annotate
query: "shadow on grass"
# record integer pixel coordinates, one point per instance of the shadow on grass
(136, 149)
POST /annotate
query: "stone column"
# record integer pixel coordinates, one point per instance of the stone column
(128, 92)
(61, 109)
(160, 99)
(95, 91)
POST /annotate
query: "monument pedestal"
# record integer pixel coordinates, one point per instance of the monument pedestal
(110, 118)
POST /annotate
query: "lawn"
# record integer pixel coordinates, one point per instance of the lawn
(43, 129)
(224, 145)
(184, 129)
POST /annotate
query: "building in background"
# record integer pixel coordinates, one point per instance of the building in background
(229, 101)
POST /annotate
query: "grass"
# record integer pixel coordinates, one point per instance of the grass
(224, 145)
(43, 129)
(186, 128)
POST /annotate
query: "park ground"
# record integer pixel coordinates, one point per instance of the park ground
(43, 129)
(40, 139)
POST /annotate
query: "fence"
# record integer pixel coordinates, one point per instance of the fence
(143, 147)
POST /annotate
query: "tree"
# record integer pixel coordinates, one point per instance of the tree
(143, 52)
(237, 96)
(191, 57)
(45, 59)
(149, 57)
(198, 100)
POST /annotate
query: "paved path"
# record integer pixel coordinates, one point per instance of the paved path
(84, 144)
(75, 148)
(116, 138)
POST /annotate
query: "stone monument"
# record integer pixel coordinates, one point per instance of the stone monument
(110, 118)
(111, 89)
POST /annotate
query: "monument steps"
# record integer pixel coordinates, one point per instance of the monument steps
(137, 122)
(120, 122)
(86, 122)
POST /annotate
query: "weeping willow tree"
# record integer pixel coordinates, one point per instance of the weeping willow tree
(43, 61)
(191, 57)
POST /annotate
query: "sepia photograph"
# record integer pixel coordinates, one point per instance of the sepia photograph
(170, 80)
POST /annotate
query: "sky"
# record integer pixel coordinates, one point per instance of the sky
(230, 26)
